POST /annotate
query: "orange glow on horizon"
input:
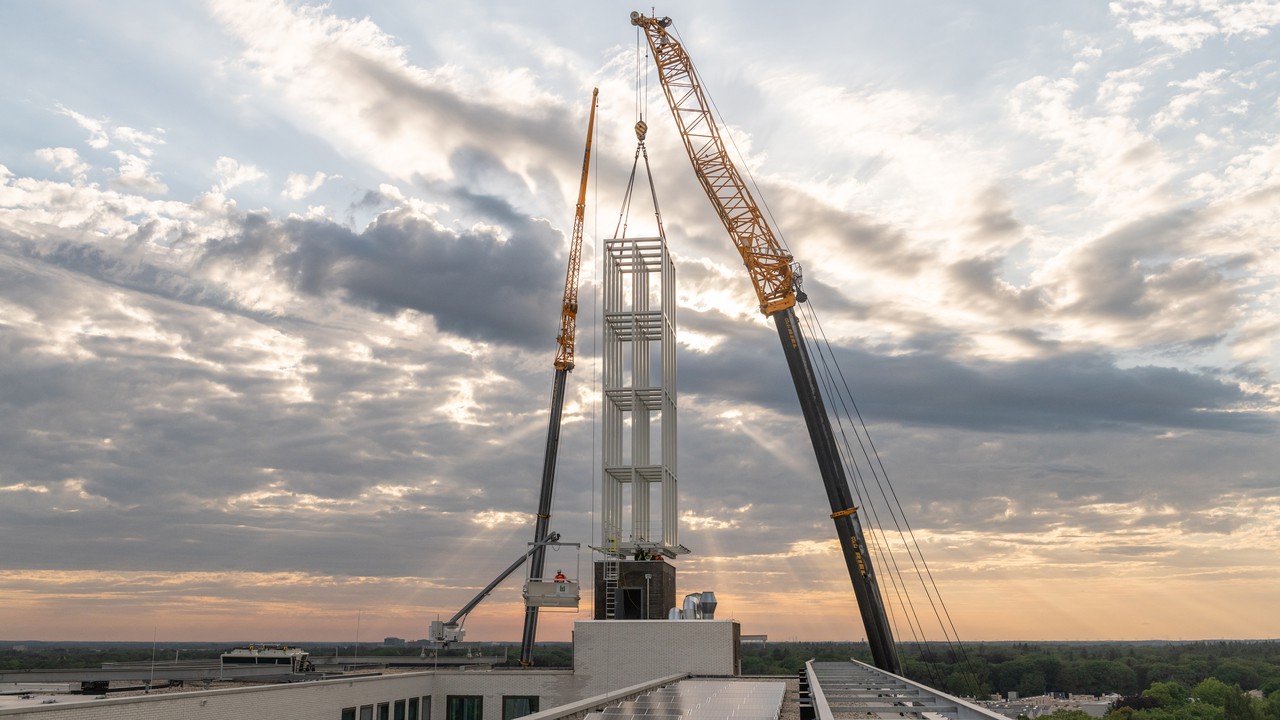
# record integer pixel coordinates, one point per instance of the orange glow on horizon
(93, 605)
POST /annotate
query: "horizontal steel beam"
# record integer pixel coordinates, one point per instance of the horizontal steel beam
(889, 709)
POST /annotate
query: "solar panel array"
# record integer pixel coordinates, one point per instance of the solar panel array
(702, 700)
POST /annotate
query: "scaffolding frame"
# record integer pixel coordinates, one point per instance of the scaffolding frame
(639, 333)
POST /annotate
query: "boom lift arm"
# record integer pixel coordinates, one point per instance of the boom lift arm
(451, 630)
(564, 363)
(776, 284)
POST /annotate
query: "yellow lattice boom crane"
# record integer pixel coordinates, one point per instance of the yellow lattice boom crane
(563, 364)
(776, 282)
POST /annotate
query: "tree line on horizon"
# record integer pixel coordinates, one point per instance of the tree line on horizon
(1154, 681)
(1031, 669)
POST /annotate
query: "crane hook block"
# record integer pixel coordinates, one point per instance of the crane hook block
(642, 127)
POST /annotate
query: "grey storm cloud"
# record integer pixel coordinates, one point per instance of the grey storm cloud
(1129, 273)
(994, 218)
(859, 235)
(978, 283)
(474, 283)
(1070, 392)
(354, 382)
(170, 448)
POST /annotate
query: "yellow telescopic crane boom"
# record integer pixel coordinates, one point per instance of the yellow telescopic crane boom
(564, 363)
(776, 286)
(569, 309)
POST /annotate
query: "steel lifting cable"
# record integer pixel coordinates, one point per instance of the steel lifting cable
(641, 128)
(855, 469)
(777, 230)
(624, 214)
(597, 380)
(642, 76)
(828, 359)
(847, 457)
(927, 581)
(653, 188)
(857, 487)
(886, 559)
(639, 73)
(892, 491)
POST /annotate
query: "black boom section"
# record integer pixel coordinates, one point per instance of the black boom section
(843, 512)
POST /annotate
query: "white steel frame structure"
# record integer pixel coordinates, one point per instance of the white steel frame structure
(639, 333)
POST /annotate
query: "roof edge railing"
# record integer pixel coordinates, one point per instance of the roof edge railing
(579, 709)
(821, 709)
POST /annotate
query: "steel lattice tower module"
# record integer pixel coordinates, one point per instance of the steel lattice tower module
(639, 384)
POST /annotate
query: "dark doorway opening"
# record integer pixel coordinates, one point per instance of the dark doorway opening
(632, 603)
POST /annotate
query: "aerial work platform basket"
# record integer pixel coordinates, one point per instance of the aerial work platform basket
(552, 594)
(555, 590)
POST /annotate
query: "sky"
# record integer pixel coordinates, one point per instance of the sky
(280, 282)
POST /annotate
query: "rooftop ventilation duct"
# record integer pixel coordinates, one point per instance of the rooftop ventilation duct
(708, 604)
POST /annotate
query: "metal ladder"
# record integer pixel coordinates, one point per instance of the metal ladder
(612, 569)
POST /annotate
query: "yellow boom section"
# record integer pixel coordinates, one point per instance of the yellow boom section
(569, 308)
(767, 262)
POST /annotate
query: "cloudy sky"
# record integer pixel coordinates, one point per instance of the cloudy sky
(279, 286)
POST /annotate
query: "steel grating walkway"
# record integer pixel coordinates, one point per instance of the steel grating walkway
(857, 690)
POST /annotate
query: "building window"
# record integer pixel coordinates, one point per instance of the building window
(464, 707)
(384, 711)
(366, 712)
(413, 709)
(426, 707)
(349, 713)
(516, 706)
(397, 710)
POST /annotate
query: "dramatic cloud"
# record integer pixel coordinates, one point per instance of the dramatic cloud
(278, 308)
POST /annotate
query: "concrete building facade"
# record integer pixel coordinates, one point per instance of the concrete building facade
(611, 659)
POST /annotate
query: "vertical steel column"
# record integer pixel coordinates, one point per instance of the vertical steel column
(611, 443)
(670, 511)
(640, 381)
